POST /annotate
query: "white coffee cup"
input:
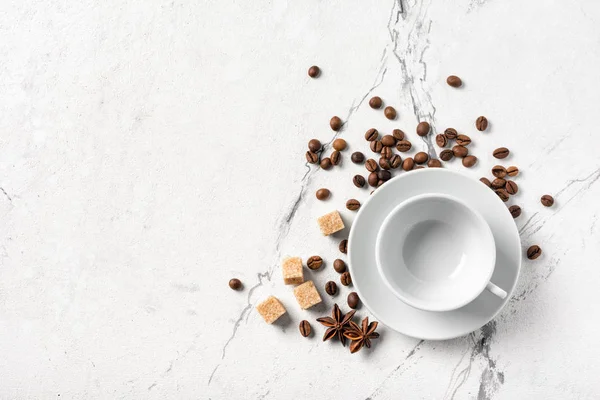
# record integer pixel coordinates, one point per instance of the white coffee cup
(436, 254)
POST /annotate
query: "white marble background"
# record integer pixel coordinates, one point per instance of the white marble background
(151, 150)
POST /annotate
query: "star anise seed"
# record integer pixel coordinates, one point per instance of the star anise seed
(361, 336)
(337, 324)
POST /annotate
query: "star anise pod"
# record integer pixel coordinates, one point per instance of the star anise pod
(361, 336)
(337, 324)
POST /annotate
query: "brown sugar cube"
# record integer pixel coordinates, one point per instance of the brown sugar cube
(292, 271)
(331, 223)
(307, 295)
(271, 309)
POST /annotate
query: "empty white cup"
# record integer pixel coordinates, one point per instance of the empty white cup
(436, 254)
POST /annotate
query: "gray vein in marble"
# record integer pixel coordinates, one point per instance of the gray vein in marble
(535, 282)
(526, 224)
(6, 194)
(474, 4)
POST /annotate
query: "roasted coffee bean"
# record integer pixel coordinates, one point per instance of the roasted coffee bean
(314, 145)
(499, 171)
(398, 134)
(498, 183)
(390, 112)
(384, 175)
(235, 284)
(326, 163)
(335, 157)
(460, 151)
(353, 300)
(486, 182)
(357, 157)
(331, 288)
(511, 187)
(305, 328)
(373, 179)
(359, 181)
(371, 134)
(395, 161)
(343, 246)
(375, 102)
(515, 211)
(388, 140)
(314, 262)
(547, 200)
(534, 252)
(339, 266)
(346, 279)
(385, 163)
(421, 157)
(423, 128)
(446, 155)
(376, 146)
(451, 133)
(339, 144)
(501, 152)
(386, 152)
(454, 81)
(335, 123)
(323, 194)
(503, 194)
(481, 124)
(403, 146)
(353, 204)
(512, 171)
(469, 161)
(312, 158)
(408, 164)
(314, 71)
(463, 140)
(371, 165)
(441, 140)
(434, 163)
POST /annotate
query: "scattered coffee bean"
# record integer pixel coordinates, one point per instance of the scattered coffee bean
(434, 163)
(357, 157)
(346, 279)
(339, 266)
(469, 161)
(499, 171)
(385, 163)
(441, 140)
(501, 152)
(515, 211)
(451, 133)
(314, 262)
(421, 157)
(481, 124)
(312, 158)
(343, 246)
(314, 71)
(403, 146)
(373, 179)
(335, 123)
(305, 328)
(235, 284)
(512, 171)
(331, 288)
(353, 300)
(446, 155)
(323, 194)
(460, 151)
(339, 144)
(371, 165)
(547, 200)
(454, 81)
(388, 140)
(463, 140)
(390, 112)
(384, 176)
(371, 134)
(398, 134)
(335, 157)
(423, 128)
(511, 187)
(353, 204)
(326, 163)
(386, 152)
(486, 181)
(359, 181)
(375, 102)
(534, 252)
(408, 164)
(395, 161)
(498, 183)
(376, 146)
(503, 194)
(314, 145)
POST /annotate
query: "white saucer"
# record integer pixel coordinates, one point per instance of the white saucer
(389, 309)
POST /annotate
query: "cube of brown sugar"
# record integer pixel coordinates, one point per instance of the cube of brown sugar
(331, 223)
(307, 295)
(291, 269)
(271, 309)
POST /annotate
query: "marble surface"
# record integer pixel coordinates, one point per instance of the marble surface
(151, 150)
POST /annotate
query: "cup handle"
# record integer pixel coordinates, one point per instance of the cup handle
(496, 290)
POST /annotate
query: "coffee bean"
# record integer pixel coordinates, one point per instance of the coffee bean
(353, 204)
(408, 164)
(314, 262)
(353, 300)
(339, 144)
(385, 163)
(469, 161)
(375, 102)
(486, 182)
(511, 187)
(359, 181)
(312, 158)
(384, 175)
(395, 161)
(335, 123)
(503, 194)
(441, 140)
(390, 112)
(547, 200)
(376, 146)
(498, 183)
(343, 246)
(314, 145)
(423, 128)
(371, 165)
(446, 155)
(235, 284)
(421, 157)
(371, 134)
(335, 157)
(481, 124)
(501, 152)
(339, 266)
(463, 140)
(346, 279)
(403, 146)
(515, 211)
(357, 157)
(388, 140)
(454, 81)
(326, 163)
(398, 134)
(499, 171)
(323, 194)
(450, 133)
(434, 163)
(386, 152)
(534, 252)
(512, 171)
(460, 151)
(373, 179)
(314, 71)
(331, 288)
(304, 328)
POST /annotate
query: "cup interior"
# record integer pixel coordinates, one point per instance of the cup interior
(435, 253)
